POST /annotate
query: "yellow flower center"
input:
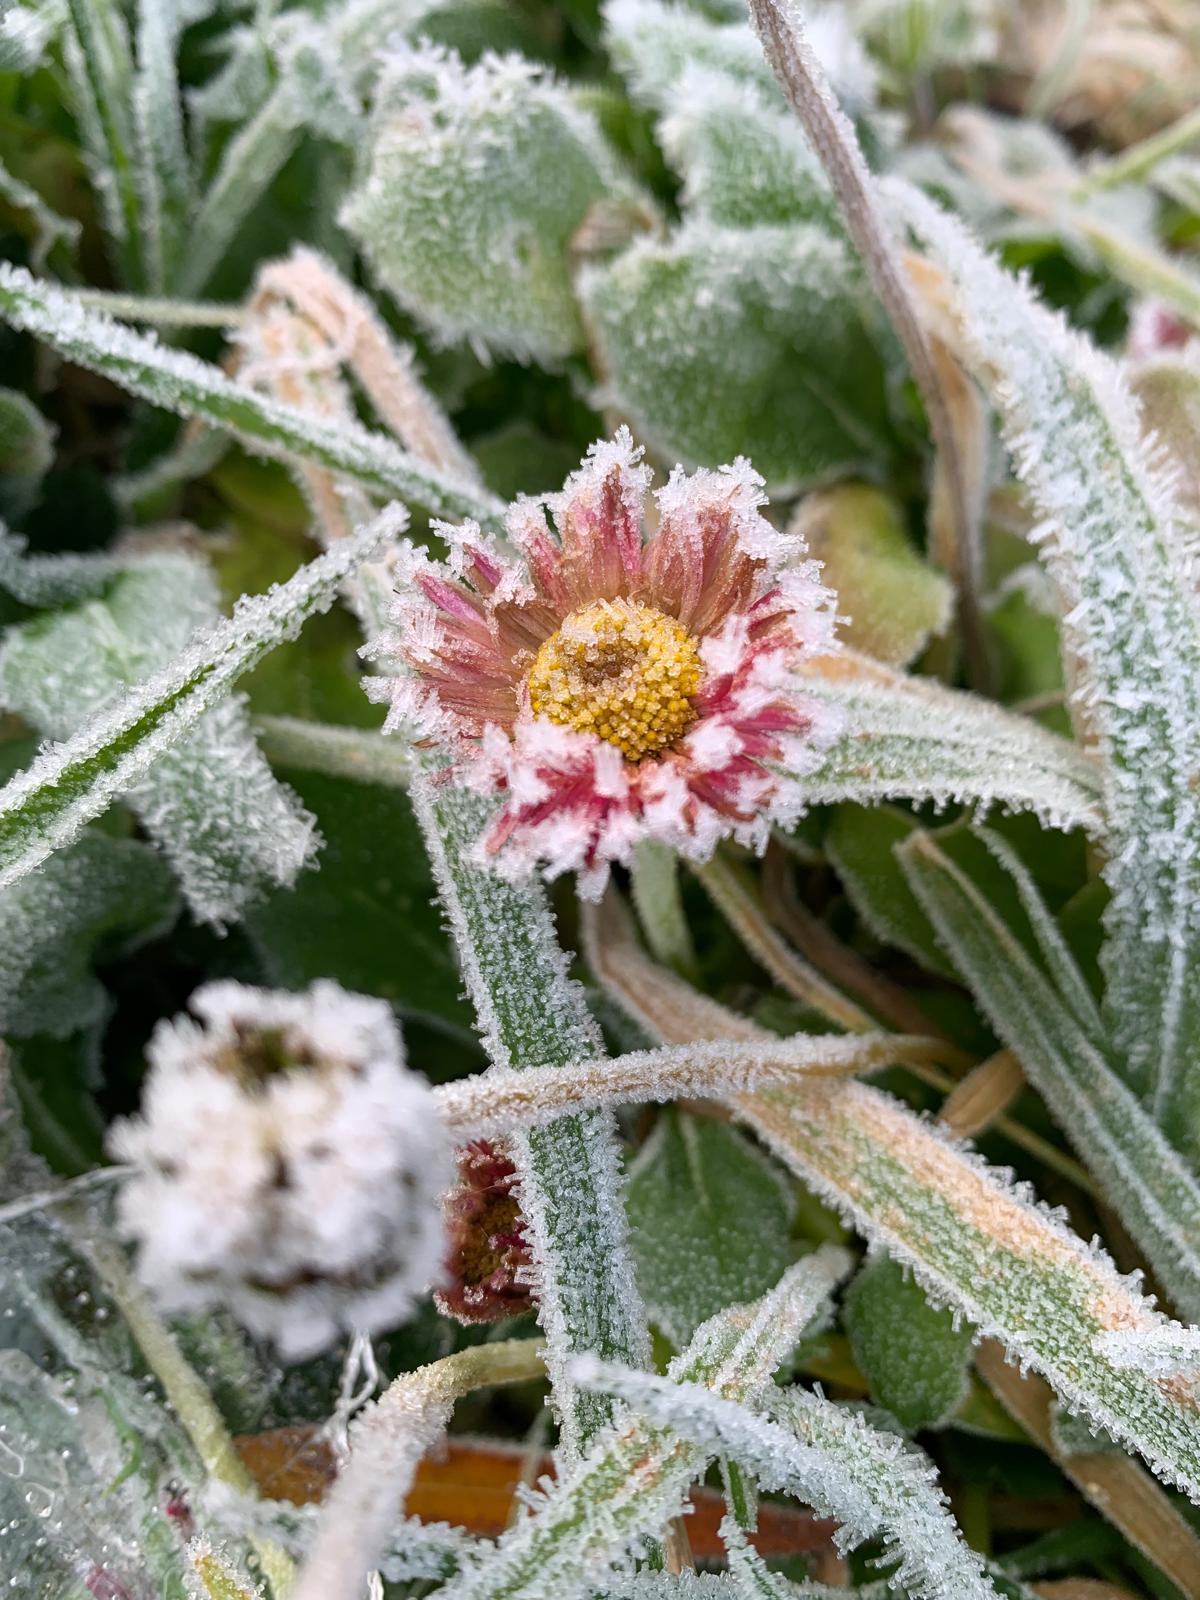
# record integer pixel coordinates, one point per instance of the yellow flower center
(622, 670)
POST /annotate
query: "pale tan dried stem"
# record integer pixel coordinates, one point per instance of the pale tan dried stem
(497, 1102)
(386, 1444)
(349, 325)
(841, 965)
(833, 138)
(983, 1095)
(1121, 1490)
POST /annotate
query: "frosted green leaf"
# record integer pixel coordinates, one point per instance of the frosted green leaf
(1126, 587)
(914, 1356)
(976, 1241)
(227, 827)
(742, 156)
(652, 43)
(875, 1484)
(1050, 1023)
(69, 783)
(635, 1476)
(861, 843)
(101, 893)
(894, 600)
(26, 450)
(910, 738)
(709, 1217)
(474, 184)
(180, 382)
(756, 342)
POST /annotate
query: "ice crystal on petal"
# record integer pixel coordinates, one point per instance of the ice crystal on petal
(288, 1165)
(610, 691)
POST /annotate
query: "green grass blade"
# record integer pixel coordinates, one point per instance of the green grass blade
(1143, 1176)
(1111, 542)
(69, 783)
(179, 382)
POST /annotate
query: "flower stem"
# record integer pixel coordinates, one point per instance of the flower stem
(531, 1015)
(186, 1394)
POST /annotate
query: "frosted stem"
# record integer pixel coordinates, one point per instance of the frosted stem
(531, 1014)
(1139, 159)
(831, 135)
(187, 1396)
(338, 751)
(386, 1443)
(500, 1101)
(659, 904)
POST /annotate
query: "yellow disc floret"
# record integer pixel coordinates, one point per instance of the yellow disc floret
(621, 670)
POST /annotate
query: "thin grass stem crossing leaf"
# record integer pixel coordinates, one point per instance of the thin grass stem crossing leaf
(181, 383)
(69, 783)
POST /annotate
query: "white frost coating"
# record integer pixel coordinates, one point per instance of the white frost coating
(875, 1484)
(1126, 586)
(975, 1240)
(653, 44)
(532, 1013)
(910, 738)
(1144, 1177)
(475, 182)
(69, 783)
(180, 382)
(211, 803)
(635, 1477)
(1165, 1352)
(500, 1101)
(287, 1165)
(743, 157)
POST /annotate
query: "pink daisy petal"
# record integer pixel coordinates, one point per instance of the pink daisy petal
(664, 678)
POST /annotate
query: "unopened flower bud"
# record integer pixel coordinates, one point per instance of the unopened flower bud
(486, 1276)
(288, 1165)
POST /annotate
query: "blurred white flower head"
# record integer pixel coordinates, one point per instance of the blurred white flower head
(288, 1165)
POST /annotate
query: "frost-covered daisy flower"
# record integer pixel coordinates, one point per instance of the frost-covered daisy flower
(288, 1165)
(612, 690)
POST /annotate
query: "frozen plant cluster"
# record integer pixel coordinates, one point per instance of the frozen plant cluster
(652, 546)
(288, 1165)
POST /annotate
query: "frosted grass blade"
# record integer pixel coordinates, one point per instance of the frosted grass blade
(875, 1484)
(68, 784)
(636, 1475)
(531, 1014)
(1126, 588)
(100, 66)
(1143, 1176)
(911, 738)
(976, 1241)
(181, 383)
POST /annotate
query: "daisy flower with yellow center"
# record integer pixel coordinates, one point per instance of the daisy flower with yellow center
(610, 689)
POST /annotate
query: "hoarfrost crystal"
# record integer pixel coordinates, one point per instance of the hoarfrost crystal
(612, 691)
(289, 1165)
